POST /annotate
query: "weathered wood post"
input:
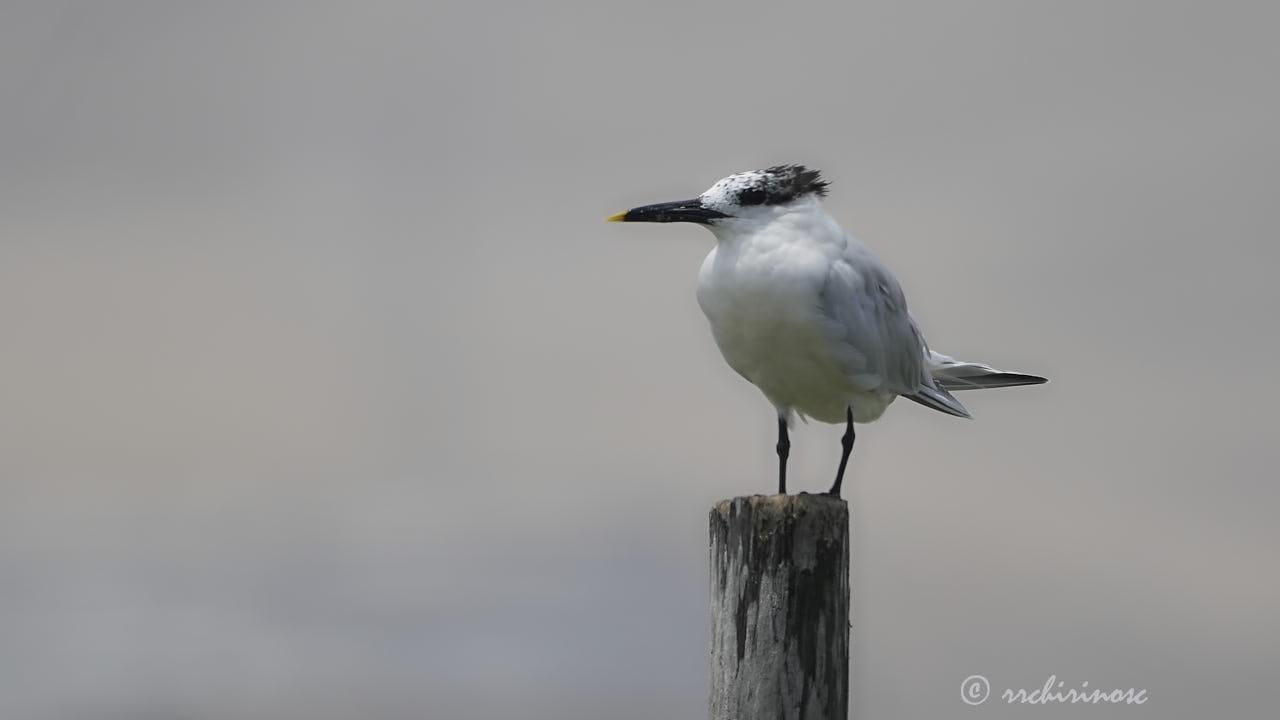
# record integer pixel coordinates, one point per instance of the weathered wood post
(780, 608)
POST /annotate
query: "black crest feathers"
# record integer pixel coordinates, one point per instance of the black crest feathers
(781, 184)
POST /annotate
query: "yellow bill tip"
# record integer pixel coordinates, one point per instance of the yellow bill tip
(617, 218)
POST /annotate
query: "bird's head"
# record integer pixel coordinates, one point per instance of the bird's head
(745, 197)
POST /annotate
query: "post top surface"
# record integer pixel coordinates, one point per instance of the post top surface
(777, 503)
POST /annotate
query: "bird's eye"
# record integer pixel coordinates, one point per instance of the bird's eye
(751, 196)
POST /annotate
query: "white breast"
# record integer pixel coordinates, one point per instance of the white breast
(762, 299)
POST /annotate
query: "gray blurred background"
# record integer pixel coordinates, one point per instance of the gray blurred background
(325, 391)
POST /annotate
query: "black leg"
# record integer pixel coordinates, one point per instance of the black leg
(784, 449)
(846, 443)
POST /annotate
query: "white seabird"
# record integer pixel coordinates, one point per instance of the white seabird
(807, 314)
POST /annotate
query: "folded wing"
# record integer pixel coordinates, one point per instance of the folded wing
(878, 342)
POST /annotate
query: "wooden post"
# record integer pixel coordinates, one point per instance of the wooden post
(780, 608)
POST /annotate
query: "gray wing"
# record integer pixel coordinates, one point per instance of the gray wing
(873, 335)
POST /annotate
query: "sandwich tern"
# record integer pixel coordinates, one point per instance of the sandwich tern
(807, 314)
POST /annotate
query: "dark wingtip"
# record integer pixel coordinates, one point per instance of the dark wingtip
(989, 381)
(1009, 379)
(1024, 379)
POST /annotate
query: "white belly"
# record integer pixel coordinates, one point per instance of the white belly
(769, 330)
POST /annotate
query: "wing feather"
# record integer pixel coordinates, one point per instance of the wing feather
(878, 342)
(867, 321)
